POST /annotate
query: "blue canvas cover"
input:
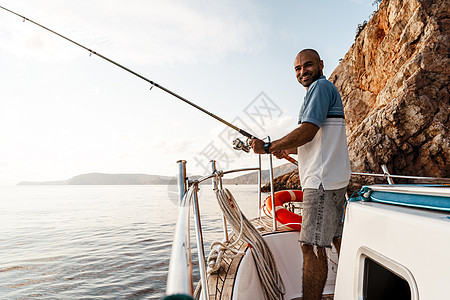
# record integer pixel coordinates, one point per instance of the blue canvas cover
(431, 197)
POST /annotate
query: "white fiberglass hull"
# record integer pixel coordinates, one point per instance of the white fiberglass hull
(411, 243)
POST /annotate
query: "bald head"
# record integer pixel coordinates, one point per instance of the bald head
(308, 67)
(311, 52)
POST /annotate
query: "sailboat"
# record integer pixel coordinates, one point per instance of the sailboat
(394, 246)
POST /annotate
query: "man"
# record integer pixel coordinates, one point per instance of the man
(324, 168)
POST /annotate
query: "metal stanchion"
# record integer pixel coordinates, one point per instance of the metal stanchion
(224, 220)
(274, 213)
(201, 249)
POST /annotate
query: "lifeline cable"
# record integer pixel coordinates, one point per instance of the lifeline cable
(241, 131)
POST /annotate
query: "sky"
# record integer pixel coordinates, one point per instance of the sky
(65, 112)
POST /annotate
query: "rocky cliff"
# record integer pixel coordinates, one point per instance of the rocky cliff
(394, 86)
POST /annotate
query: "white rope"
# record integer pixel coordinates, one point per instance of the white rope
(273, 287)
(218, 251)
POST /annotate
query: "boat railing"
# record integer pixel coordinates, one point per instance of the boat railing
(180, 279)
(389, 177)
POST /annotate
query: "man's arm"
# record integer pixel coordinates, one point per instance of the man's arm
(298, 137)
(301, 135)
(292, 151)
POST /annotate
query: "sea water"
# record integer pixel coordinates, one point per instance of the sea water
(97, 242)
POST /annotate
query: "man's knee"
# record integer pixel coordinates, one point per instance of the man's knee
(313, 251)
(306, 247)
(337, 240)
(337, 244)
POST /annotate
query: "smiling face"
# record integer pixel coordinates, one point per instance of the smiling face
(308, 67)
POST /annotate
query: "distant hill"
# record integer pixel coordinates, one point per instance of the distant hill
(252, 178)
(145, 179)
(109, 179)
(60, 182)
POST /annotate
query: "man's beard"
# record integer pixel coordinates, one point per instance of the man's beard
(314, 76)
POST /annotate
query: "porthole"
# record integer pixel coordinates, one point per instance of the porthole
(382, 278)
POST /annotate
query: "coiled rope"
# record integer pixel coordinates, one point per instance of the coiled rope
(218, 251)
(271, 281)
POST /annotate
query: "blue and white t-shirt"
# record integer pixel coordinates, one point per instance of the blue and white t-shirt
(325, 159)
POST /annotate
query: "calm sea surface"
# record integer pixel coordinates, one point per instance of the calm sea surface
(96, 242)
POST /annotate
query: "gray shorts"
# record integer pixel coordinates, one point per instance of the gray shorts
(322, 213)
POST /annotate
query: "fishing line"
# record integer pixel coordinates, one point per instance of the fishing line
(153, 84)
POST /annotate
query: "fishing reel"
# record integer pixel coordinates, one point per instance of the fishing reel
(240, 145)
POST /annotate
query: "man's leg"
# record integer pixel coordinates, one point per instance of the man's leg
(315, 270)
(337, 245)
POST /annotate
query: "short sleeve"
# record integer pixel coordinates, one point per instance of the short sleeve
(316, 105)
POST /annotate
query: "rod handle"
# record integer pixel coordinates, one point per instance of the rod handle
(291, 160)
(246, 134)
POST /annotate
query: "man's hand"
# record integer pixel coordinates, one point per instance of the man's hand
(257, 146)
(280, 154)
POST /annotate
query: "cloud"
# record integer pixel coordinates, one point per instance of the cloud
(165, 145)
(137, 31)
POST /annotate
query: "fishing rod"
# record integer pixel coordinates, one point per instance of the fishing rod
(154, 84)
